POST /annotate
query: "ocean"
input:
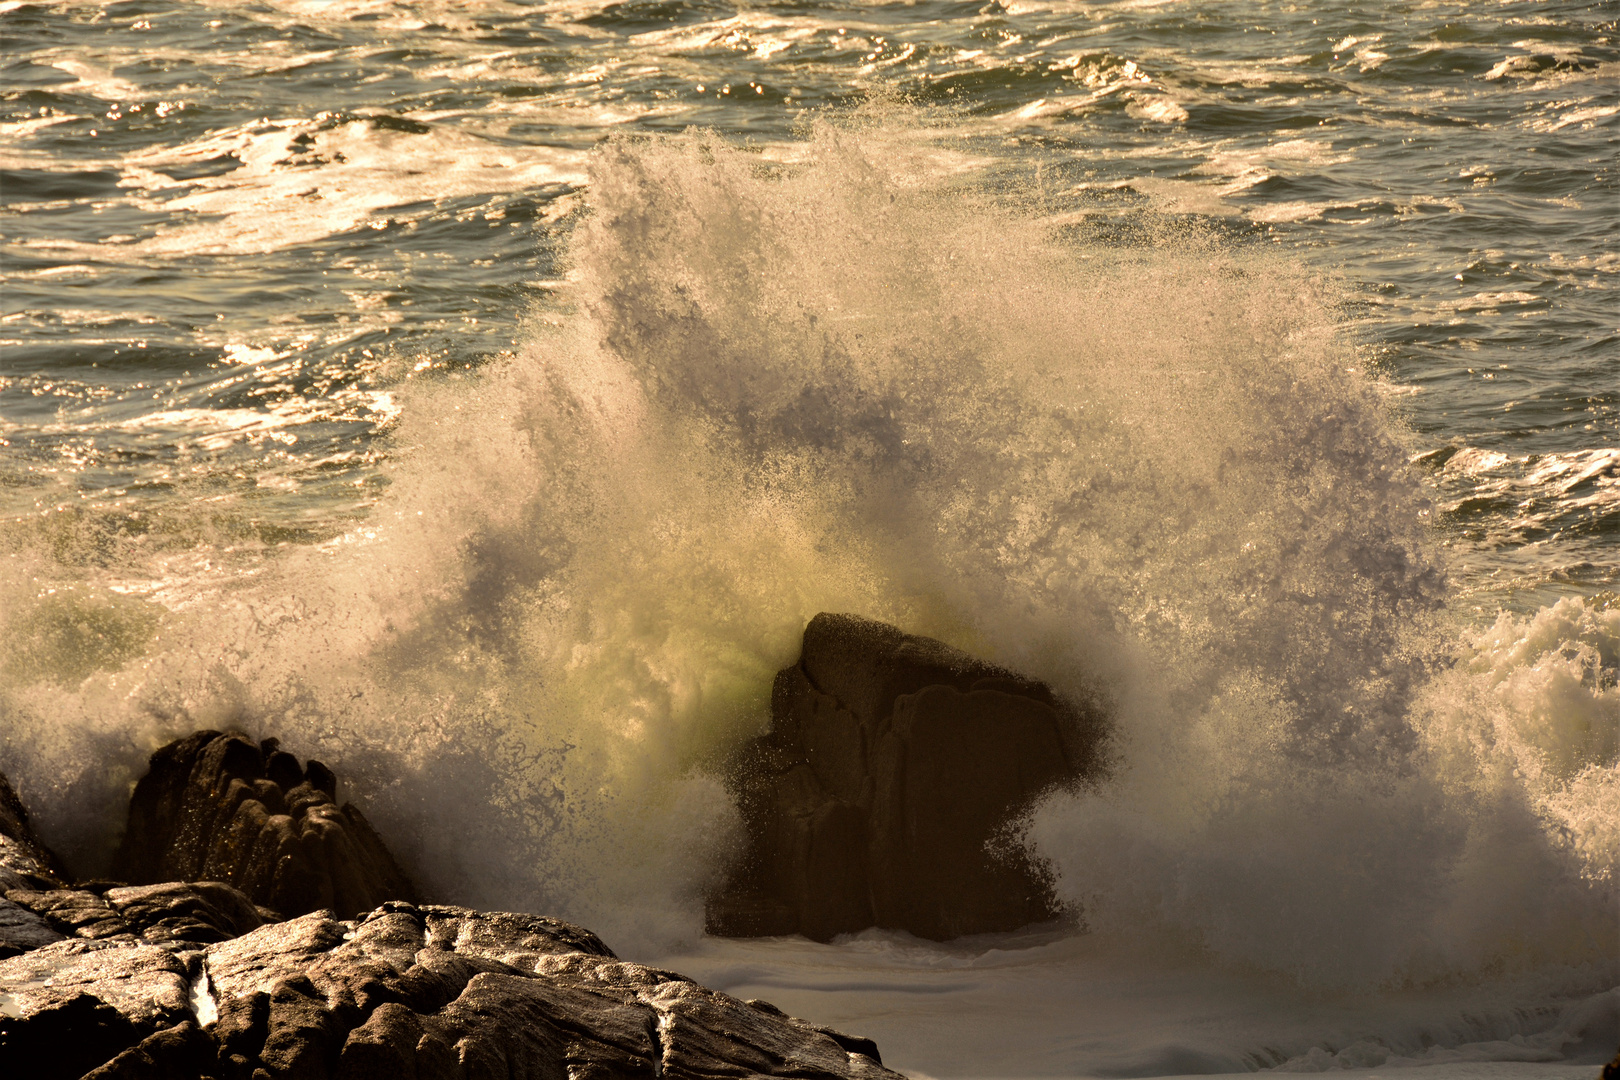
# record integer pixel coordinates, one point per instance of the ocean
(481, 397)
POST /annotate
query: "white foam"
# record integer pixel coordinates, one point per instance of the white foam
(1034, 1005)
(852, 385)
(1156, 107)
(94, 80)
(301, 180)
(200, 998)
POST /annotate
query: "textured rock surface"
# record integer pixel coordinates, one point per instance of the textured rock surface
(198, 912)
(891, 763)
(404, 991)
(193, 980)
(216, 806)
(25, 862)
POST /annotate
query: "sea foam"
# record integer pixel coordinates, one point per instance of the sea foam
(1147, 470)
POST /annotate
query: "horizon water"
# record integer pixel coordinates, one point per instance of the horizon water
(480, 397)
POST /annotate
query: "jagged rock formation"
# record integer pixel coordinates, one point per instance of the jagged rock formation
(404, 991)
(891, 763)
(25, 862)
(198, 912)
(216, 806)
(194, 981)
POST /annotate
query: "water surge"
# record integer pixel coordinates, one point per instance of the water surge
(1145, 470)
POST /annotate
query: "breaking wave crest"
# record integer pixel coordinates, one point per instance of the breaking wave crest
(1146, 471)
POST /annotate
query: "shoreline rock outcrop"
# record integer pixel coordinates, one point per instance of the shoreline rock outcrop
(216, 806)
(891, 765)
(25, 862)
(194, 980)
(430, 992)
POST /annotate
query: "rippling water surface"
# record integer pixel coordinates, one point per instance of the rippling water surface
(413, 380)
(233, 230)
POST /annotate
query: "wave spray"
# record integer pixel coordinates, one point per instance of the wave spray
(833, 379)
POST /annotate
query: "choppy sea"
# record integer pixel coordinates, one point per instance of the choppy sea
(481, 397)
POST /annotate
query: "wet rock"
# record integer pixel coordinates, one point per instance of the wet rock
(216, 806)
(195, 912)
(73, 912)
(37, 908)
(22, 929)
(403, 991)
(189, 980)
(145, 984)
(181, 1052)
(25, 862)
(891, 765)
(65, 1039)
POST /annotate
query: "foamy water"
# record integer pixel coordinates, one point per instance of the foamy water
(508, 464)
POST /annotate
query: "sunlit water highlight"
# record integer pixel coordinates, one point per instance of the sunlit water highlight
(503, 473)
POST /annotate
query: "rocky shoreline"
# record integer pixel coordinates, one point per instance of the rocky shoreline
(261, 930)
(188, 980)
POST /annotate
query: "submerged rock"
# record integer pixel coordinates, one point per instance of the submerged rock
(404, 991)
(892, 763)
(216, 806)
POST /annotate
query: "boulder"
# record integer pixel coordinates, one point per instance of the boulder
(892, 766)
(427, 992)
(193, 981)
(217, 806)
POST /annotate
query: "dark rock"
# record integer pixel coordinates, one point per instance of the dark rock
(22, 929)
(216, 806)
(430, 992)
(118, 991)
(65, 1039)
(181, 1052)
(876, 798)
(25, 862)
(385, 1046)
(197, 912)
(73, 912)
(187, 980)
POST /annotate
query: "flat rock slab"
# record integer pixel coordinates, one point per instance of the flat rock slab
(404, 991)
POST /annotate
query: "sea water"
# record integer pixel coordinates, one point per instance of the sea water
(481, 396)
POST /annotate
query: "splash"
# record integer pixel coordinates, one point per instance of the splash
(1148, 471)
(1487, 847)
